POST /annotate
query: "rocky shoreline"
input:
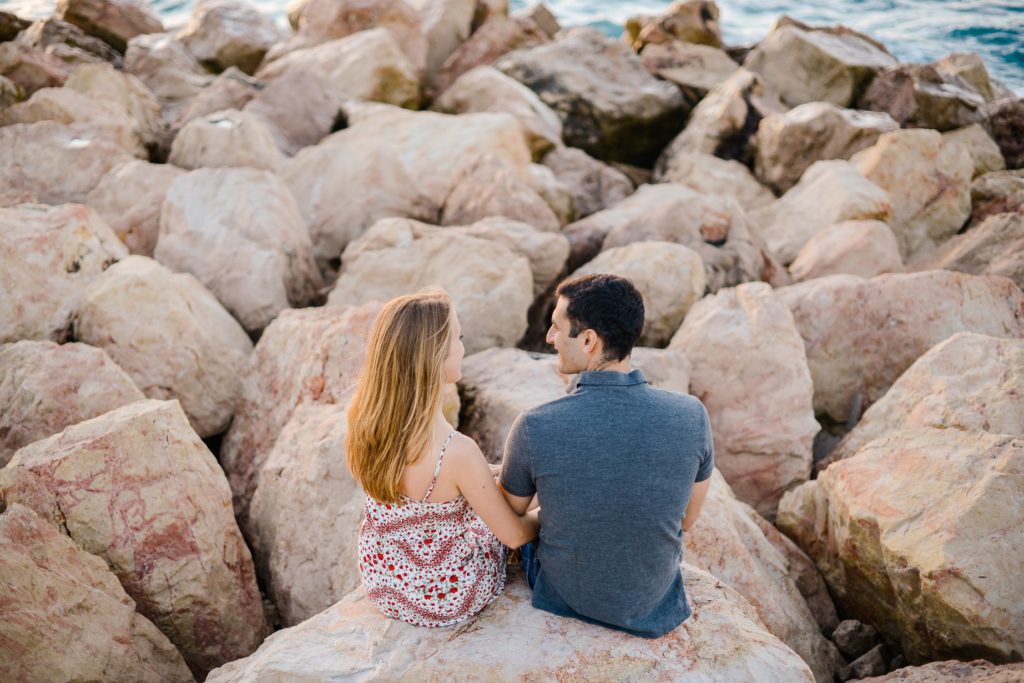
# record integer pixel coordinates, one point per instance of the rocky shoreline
(197, 228)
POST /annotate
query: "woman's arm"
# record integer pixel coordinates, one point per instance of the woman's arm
(473, 476)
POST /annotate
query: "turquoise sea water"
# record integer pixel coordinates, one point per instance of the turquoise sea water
(913, 30)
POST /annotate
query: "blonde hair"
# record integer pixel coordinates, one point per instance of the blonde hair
(398, 395)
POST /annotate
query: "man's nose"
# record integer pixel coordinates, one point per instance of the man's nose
(550, 337)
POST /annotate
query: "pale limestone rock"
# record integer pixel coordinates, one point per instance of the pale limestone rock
(860, 335)
(996, 247)
(129, 199)
(728, 543)
(555, 193)
(487, 89)
(170, 335)
(492, 286)
(669, 276)
(45, 387)
(788, 143)
(299, 108)
(68, 43)
(494, 187)
(696, 69)
(225, 33)
(138, 488)
(392, 163)
(708, 174)
(690, 21)
(804, 64)
(829, 192)
(239, 231)
(915, 533)
(305, 514)
(232, 89)
(928, 180)
(953, 671)
(56, 163)
(127, 94)
(309, 355)
(224, 139)
(919, 96)
(594, 185)
(726, 641)
(970, 67)
(862, 248)
(65, 616)
(446, 24)
(368, 65)
(113, 21)
(167, 68)
(48, 256)
(983, 149)
(997, 192)
(969, 382)
(750, 371)
(610, 106)
(31, 68)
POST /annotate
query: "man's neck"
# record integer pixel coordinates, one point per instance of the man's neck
(610, 366)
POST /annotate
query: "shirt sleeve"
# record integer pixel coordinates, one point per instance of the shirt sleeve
(517, 465)
(707, 458)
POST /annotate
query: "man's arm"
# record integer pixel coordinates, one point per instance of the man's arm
(700, 490)
(704, 472)
(517, 468)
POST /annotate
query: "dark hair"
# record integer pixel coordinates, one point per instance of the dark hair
(608, 304)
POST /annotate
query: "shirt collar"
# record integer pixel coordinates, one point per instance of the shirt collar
(609, 378)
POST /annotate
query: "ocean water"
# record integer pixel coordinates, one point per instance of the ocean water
(913, 30)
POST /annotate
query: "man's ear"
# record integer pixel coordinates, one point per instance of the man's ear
(591, 342)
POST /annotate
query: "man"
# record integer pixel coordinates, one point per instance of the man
(620, 471)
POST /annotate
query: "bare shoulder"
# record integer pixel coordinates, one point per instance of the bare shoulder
(463, 449)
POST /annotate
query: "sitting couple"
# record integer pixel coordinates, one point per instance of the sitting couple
(619, 469)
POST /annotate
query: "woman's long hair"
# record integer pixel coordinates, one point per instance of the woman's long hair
(390, 419)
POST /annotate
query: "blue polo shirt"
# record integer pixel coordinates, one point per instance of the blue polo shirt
(613, 463)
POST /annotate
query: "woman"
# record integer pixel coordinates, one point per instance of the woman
(431, 547)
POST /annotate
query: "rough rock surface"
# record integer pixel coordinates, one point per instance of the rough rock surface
(225, 33)
(446, 25)
(860, 335)
(708, 174)
(593, 184)
(226, 138)
(167, 68)
(494, 187)
(45, 387)
(914, 535)
(231, 89)
(113, 21)
(239, 231)
(48, 256)
(138, 311)
(998, 192)
(68, 43)
(725, 642)
(395, 258)
(970, 68)
(978, 671)
(993, 248)
(31, 68)
(983, 149)
(126, 94)
(299, 108)
(65, 616)
(554, 192)
(695, 69)
(862, 248)
(129, 198)
(750, 371)
(138, 488)
(919, 96)
(1006, 120)
(689, 21)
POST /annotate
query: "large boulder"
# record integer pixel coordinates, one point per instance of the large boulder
(494, 187)
(31, 68)
(487, 89)
(224, 139)
(167, 68)
(969, 382)
(829, 192)
(728, 543)
(68, 43)
(750, 371)
(594, 185)
(48, 256)
(997, 192)
(724, 640)
(491, 285)
(113, 21)
(610, 106)
(156, 507)
(446, 24)
(231, 89)
(555, 193)
(45, 387)
(928, 180)
(713, 226)
(125, 93)
(805, 64)
(914, 535)
(1006, 121)
(969, 67)
(368, 65)
(918, 96)
(669, 276)
(983, 149)
(992, 248)
(953, 671)
(56, 163)
(305, 515)
(708, 174)
(239, 231)
(725, 120)
(309, 355)
(862, 248)
(392, 163)
(688, 21)
(66, 617)
(170, 335)
(129, 198)
(299, 107)
(225, 33)
(788, 143)
(860, 335)
(10, 93)
(695, 69)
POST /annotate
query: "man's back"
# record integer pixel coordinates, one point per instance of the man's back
(614, 463)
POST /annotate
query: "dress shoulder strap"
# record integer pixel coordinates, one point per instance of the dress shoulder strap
(437, 469)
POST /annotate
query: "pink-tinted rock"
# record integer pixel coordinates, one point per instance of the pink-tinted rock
(168, 69)
(1006, 120)
(298, 107)
(232, 89)
(492, 187)
(919, 96)
(695, 69)
(993, 248)
(113, 21)
(45, 387)
(708, 174)
(138, 488)
(861, 335)
(978, 671)
(68, 43)
(228, 138)
(446, 25)
(594, 185)
(30, 67)
(983, 149)
(862, 248)
(129, 199)
(310, 355)
(65, 617)
(225, 33)
(999, 192)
